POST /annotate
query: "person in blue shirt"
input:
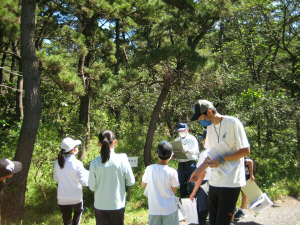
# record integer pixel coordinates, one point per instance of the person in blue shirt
(110, 174)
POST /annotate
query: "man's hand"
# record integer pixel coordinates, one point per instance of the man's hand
(192, 196)
(195, 175)
(213, 163)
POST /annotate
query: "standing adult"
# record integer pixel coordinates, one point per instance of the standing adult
(71, 176)
(187, 166)
(110, 173)
(224, 189)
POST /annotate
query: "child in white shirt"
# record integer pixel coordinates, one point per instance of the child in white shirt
(161, 183)
(71, 176)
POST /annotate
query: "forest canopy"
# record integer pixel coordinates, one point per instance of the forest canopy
(137, 68)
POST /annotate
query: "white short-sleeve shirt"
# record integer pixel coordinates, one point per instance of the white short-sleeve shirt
(160, 179)
(232, 132)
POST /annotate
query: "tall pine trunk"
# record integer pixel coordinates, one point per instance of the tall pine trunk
(14, 195)
(154, 117)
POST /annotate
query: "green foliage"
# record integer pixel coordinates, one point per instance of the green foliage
(243, 56)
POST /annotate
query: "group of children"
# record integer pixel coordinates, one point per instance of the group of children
(108, 177)
(111, 173)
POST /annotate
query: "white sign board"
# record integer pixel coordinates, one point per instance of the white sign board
(133, 161)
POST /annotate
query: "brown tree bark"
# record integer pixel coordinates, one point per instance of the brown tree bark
(154, 117)
(14, 195)
(85, 102)
(19, 92)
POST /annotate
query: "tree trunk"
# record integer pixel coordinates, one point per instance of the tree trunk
(169, 122)
(19, 99)
(85, 102)
(1, 70)
(117, 46)
(149, 139)
(298, 137)
(84, 119)
(259, 135)
(3, 64)
(14, 196)
(19, 92)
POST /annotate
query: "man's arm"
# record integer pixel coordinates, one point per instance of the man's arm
(197, 185)
(196, 174)
(144, 185)
(234, 156)
(174, 189)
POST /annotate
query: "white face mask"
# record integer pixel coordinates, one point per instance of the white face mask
(182, 134)
(75, 153)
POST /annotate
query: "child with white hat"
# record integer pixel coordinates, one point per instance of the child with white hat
(71, 176)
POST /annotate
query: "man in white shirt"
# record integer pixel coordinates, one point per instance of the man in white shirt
(187, 166)
(224, 189)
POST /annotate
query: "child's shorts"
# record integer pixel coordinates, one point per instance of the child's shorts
(164, 219)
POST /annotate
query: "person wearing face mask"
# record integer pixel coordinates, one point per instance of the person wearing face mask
(187, 166)
(223, 189)
(71, 176)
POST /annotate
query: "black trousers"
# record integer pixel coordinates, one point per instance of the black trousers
(67, 211)
(185, 170)
(221, 204)
(110, 217)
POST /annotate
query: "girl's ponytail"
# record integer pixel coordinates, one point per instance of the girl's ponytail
(61, 159)
(106, 138)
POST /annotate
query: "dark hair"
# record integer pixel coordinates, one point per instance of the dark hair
(3, 173)
(164, 150)
(106, 138)
(213, 109)
(61, 158)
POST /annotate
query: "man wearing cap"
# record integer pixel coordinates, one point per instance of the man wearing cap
(223, 189)
(7, 170)
(187, 166)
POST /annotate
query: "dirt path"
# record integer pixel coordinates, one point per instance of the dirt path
(285, 211)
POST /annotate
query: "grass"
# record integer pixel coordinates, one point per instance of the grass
(136, 213)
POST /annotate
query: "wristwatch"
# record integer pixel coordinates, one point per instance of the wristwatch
(222, 161)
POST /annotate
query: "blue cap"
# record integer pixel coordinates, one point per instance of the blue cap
(182, 126)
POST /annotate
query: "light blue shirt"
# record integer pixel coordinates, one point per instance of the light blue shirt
(108, 181)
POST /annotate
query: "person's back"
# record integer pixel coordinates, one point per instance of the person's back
(70, 180)
(110, 178)
(110, 173)
(71, 176)
(161, 182)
